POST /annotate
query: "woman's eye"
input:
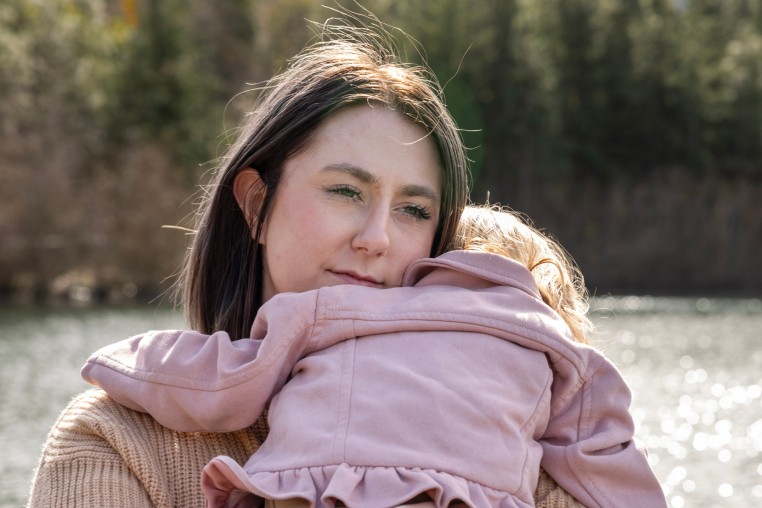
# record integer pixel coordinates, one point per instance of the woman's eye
(346, 191)
(417, 211)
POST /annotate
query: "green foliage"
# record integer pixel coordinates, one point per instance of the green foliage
(560, 89)
(551, 95)
(595, 90)
(165, 89)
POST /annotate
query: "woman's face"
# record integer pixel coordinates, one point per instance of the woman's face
(356, 206)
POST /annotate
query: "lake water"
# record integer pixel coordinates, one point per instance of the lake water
(694, 364)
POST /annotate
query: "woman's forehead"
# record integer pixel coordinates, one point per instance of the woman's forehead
(374, 139)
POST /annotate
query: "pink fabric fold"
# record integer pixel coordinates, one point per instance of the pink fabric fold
(228, 484)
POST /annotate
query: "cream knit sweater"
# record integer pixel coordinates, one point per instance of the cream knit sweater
(101, 454)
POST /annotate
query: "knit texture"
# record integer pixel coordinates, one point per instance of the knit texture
(102, 454)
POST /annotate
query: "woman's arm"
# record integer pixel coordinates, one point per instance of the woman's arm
(549, 494)
(100, 453)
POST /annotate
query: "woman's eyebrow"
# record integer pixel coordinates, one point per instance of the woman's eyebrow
(357, 172)
(420, 191)
(366, 176)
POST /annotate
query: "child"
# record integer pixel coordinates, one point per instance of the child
(484, 343)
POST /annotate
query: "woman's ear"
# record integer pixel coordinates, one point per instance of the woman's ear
(249, 191)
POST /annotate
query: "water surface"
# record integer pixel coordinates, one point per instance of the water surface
(694, 365)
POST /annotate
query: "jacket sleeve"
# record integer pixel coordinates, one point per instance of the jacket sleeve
(588, 447)
(193, 382)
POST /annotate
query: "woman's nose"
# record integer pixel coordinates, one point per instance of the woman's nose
(372, 236)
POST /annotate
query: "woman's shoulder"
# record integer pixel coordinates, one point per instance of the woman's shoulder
(94, 413)
(95, 439)
(93, 416)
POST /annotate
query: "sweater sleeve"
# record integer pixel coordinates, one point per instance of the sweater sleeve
(193, 382)
(588, 447)
(100, 453)
(81, 469)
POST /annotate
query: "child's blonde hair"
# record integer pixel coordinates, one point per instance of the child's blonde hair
(502, 231)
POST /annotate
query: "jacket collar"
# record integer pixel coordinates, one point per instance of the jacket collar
(472, 270)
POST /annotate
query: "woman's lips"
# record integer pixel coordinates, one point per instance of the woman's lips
(358, 280)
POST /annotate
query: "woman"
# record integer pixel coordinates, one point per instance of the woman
(349, 169)
(482, 342)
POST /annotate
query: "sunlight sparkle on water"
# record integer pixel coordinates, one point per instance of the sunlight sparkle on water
(725, 490)
(697, 386)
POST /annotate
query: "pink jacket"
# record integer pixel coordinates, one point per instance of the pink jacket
(460, 386)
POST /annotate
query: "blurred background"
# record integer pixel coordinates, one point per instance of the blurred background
(629, 129)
